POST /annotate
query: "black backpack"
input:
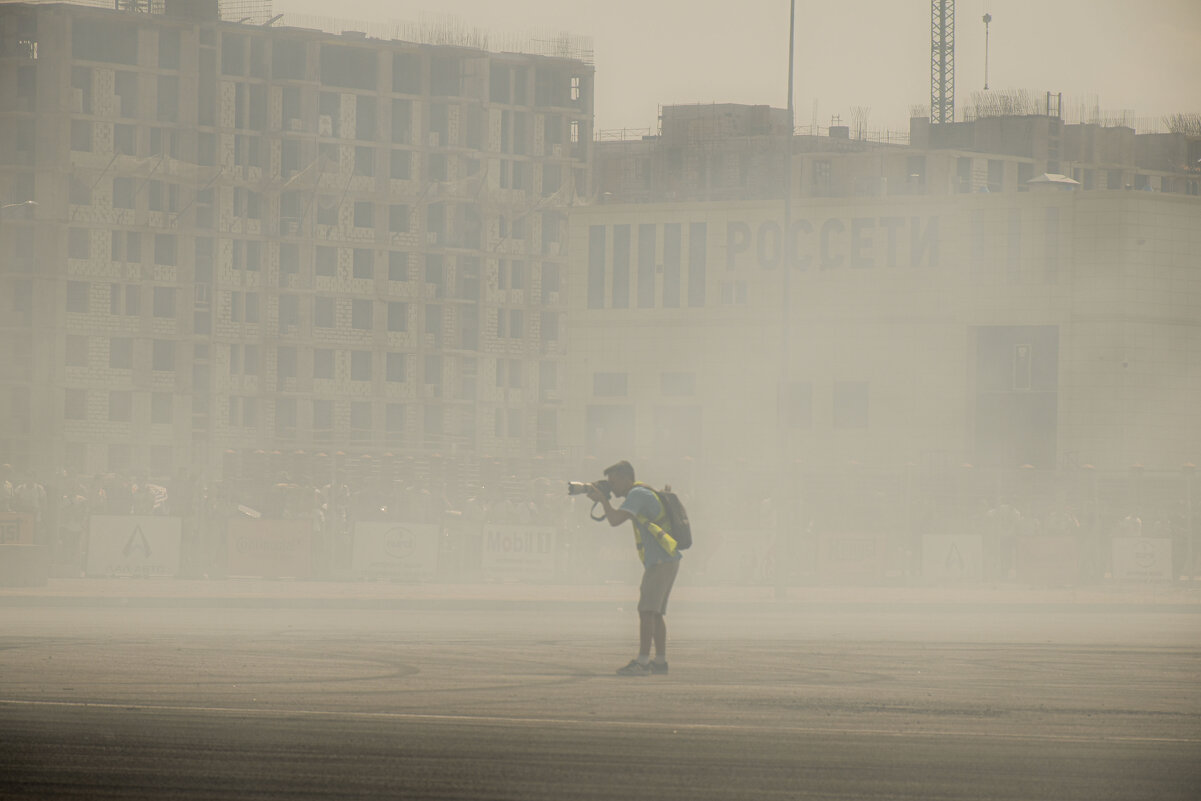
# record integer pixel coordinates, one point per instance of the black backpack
(677, 518)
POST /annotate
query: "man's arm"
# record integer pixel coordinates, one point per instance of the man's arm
(615, 516)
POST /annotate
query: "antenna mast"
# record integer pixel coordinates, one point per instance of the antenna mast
(942, 61)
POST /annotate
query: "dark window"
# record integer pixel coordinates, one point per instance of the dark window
(167, 100)
(402, 164)
(78, 244)
(398, 218)
(323, 363)
(323, 312)
(398, 316)
(120, 353)
(112, 41)
(646, 266)
(402, 122)
(406, 74)
(163, 355)
(365, 118)
(362, 314)
(285, 362)
(596, 267)
(398, 265)
(349, 67)
(360, 365)
(164, 301)
(164, 249)
(396, 367)
(288, 60)
(327, 261)
(697, 260)
(610, 385)
(364, 263)
(850, 404)
(621, 266)
(364, 161)
(81, 136)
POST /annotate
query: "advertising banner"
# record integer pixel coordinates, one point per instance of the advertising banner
(133, 545)
(952, 557)
(850, 558)
(16, 529)
(406, 551)
(514, 551)
(1047, 561)
(270, 548)
(1142, 559)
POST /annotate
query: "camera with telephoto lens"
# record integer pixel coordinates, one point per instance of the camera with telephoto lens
(579, 488)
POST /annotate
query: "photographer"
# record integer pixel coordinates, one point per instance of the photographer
(660, 559)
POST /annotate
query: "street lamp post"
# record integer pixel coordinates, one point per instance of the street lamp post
(783, 534)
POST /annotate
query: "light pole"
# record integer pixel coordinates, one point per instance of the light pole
(782, 535)
(987, 19)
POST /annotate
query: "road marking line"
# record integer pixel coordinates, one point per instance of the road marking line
(633, 724)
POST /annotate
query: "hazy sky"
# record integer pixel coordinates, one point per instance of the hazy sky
(1140, 56)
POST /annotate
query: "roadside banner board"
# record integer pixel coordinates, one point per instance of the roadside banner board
(514, 551)
(16, 529)
(1047, 561)
(133, 545)
(270, 548)
(952, 557)
(1142, 559)
(850, 557)
(406, 551)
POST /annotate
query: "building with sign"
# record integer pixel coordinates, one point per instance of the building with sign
(943, 306)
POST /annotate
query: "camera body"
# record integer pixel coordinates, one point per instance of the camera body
(579, 488)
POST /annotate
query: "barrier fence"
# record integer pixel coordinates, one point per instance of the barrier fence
(457, 550)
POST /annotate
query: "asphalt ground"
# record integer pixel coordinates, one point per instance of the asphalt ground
(512, 695)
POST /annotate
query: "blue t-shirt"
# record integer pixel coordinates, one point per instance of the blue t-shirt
(641, 502)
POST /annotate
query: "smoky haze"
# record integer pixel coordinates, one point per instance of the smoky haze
(305, 335)
(1138, 58)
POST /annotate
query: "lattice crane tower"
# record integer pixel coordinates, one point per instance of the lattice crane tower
(942, 61)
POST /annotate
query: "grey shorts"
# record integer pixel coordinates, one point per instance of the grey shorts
(656, 586)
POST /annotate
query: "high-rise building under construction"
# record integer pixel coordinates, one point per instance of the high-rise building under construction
(221, 238)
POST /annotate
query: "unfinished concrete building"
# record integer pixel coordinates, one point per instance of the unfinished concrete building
(220, 239)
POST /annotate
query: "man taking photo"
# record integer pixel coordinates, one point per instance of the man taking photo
(660, 560)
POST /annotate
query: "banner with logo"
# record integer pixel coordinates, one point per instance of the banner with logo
(270, 548)
(133, 545)
(16, 529)
(514, 551)
(952, 557)
(1142, 559)
(406, 551)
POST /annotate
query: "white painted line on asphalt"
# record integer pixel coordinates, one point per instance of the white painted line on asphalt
(631, 724)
